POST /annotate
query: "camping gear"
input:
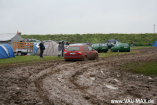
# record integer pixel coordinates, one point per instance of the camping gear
(51, 49)
(120, 47)
(100, 47)
(155, 44)
(6, 51)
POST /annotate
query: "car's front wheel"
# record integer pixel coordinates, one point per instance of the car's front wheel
(96, 57)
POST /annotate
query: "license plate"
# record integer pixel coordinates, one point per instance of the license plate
(72, 53)
(125, 47)
(103, 48)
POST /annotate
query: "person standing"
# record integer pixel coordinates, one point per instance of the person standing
(62, 48)
(42, 48)
(132, 43)
(59, 49)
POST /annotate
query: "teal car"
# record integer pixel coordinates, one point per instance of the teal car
(120, 47)
(100, 47)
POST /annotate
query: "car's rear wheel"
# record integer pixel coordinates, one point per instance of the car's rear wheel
(128, 51)
(85, 58)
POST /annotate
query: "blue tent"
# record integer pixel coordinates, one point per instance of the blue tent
(112, 40)
(6, 51)
(155, 44)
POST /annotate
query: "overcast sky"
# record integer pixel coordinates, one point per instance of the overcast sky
(77, 16)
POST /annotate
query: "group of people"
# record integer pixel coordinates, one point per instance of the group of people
(61, 48)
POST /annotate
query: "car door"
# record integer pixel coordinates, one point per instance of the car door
(87, 52)
(91, 52)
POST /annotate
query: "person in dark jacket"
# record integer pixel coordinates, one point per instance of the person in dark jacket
(62, 48)
(59, 49)
(42, 48)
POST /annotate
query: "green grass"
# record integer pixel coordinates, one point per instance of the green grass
(147, 68)
(140, 47)
(27, 59)
(109, 53)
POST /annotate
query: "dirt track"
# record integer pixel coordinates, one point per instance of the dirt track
(77, 83)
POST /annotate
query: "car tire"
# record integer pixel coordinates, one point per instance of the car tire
(19, 53)
(96, 57)
(85, 58)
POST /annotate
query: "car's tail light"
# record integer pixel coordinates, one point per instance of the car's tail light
(80, 53)
(65, 53)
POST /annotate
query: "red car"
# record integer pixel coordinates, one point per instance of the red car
(80, 52)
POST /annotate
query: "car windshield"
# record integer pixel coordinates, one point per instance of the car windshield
(72, 48)
(125, 44)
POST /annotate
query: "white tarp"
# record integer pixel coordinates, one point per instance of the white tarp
(6, 37)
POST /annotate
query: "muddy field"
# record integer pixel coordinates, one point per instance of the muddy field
(93, 82)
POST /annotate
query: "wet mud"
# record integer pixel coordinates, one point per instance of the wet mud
(92, 82)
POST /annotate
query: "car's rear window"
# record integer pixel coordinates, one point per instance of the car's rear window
(125, 44)
(71, 48)
(103, 44)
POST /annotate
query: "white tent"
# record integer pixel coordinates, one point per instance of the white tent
(51, 49)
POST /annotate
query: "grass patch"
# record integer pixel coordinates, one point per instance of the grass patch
(109, 53)
(147, 68)
(132, 51)
(140, 47)
(27, 59)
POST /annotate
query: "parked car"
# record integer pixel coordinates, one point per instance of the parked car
(80, 52)
(100, 47)
(120, 47)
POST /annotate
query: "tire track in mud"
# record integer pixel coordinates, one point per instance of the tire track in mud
(67, 77)
(93, 99)
(37, 79)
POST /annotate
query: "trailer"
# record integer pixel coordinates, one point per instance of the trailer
(22, 48)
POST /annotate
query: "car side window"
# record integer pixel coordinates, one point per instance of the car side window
(89, 48)
(85, 48)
